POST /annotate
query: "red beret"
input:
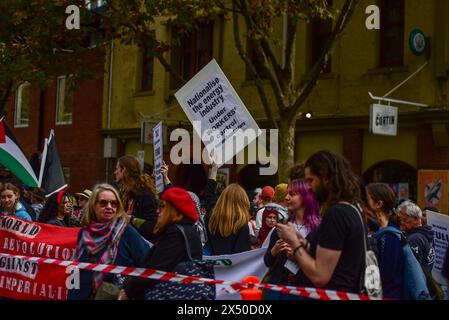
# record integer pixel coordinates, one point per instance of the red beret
(182, 201)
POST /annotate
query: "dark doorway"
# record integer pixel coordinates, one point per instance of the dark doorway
(398, 174)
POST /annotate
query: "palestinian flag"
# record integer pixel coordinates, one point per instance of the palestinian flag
(13, 158)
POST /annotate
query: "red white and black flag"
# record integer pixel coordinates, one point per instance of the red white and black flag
(51, 175)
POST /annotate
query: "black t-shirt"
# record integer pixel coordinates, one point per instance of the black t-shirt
(341, 229)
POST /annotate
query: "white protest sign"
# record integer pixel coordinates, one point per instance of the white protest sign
(158, 156)
(217, 113)
(235, 267)
(440, 225)
(383, 120)
(141, 158)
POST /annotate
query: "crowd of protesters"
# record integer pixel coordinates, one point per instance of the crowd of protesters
(313, 228)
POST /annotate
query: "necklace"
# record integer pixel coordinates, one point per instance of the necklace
(298, 226)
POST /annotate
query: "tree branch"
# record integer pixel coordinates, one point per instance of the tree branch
(252, 69)
(292, 26)
(343, 19)
(261, 56)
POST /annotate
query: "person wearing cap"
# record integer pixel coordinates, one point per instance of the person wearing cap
(82, 198)
(175, 208)
(267, 196)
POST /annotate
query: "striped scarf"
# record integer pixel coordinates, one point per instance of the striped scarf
(95, 238)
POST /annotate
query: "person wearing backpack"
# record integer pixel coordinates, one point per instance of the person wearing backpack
(418, 236)
(421, 240)
(381, 199)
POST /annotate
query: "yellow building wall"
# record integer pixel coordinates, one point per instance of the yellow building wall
(378, 148)
(132, 146)
(355, 71)
(307, 143)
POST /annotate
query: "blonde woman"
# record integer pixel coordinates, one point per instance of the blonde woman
(228, 230)
(106, 238)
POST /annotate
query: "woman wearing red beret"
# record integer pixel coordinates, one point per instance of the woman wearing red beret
(176, 207)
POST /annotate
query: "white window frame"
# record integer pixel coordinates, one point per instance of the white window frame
(18, 107)
(58, 101)
(96, 4)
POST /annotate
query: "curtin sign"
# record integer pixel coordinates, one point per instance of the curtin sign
(383, 120)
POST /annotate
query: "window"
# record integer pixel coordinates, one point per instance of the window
(64, 100)
(146, 79)
(321, 31)
(194, 53)
(93, 4)
(391, 33)
(22, 105)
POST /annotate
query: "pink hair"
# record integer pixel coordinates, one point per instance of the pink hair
(312, 218)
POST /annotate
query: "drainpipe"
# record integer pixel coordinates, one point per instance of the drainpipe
(111, 63)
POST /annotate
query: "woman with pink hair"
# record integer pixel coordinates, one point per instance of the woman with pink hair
(305, 216)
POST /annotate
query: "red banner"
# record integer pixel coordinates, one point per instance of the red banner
(29, 280)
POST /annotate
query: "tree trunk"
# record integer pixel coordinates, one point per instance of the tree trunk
(286, 155)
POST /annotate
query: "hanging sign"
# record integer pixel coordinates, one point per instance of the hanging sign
(383, 120)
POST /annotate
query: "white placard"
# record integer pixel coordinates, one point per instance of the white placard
(383, 120)
(158, 153)
(235, 267)
(440, 225)
(209, 99)
(141, 158)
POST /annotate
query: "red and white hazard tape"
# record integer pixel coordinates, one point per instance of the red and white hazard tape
(312, 293)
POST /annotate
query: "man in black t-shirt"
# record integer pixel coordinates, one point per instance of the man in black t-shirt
(334, 258)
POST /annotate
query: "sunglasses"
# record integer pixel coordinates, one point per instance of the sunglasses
(104, 203)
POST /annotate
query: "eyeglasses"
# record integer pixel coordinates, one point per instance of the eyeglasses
(104, 203)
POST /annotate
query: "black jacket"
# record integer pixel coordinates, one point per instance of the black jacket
(168, 251)
(421, 242)
(145, 207)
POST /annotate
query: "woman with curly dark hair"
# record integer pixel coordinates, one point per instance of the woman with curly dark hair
(58, 211)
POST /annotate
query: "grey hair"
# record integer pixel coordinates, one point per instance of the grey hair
(411, 209)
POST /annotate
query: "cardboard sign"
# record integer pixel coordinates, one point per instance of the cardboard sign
(217, 113)
(158, 156)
